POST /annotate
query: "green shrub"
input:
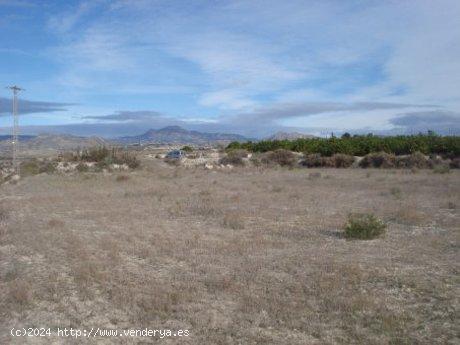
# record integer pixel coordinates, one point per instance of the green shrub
(364, 227)
(378, 160)
(29, 168)
(187, 148)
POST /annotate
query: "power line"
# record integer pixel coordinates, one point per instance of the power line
(15, 140)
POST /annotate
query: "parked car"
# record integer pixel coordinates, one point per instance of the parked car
(175, 154)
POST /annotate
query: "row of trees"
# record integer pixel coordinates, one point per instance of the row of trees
(360, 145)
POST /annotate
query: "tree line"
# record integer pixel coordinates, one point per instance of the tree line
(360, 145)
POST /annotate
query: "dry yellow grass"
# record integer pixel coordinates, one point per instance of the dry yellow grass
(245, 256)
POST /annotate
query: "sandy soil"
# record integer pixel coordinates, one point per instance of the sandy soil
(240, 256)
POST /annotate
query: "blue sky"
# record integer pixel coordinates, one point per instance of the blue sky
(252, 67)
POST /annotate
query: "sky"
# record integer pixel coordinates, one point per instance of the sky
(251, 67)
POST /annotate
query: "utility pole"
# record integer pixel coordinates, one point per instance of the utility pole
(15, 140)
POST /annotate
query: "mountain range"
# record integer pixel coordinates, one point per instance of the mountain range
(166, 135)
(179, 135)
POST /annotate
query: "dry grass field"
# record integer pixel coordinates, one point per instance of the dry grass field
(239, 256)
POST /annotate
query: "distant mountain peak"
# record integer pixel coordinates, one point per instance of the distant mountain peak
(172, 129)
(289, 136)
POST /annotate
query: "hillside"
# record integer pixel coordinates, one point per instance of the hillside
(49, 142)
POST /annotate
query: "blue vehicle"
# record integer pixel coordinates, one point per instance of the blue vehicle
(175, 154)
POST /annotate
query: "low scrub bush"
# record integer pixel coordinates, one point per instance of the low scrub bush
(48, 168)
(414, 160)
(35, 166)
(455, 163)
(364, 227)
(234, 157)
(281, 157)
(82, 167)
(378, 160)
(29, 168)
(313, 176)
(313, 160)
(122, 178)
(232, 220)
(103, 157)
(3, 214)
(338, 160)
(441, 169)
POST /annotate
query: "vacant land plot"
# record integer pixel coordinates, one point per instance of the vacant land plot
(241, 256)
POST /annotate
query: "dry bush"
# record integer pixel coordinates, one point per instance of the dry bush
(202, 204)
(451, 205)
(103, 156)
(414, 160)
(313, 160)
(396, 192)
(19, 292)
(3, 214)
(234, 157)
(455, 163)
(378, 160)
(313, 176)
(338, 160)
(281, 157)
(122, 178)
(233, 220)
(3, 222)
(56, 223)
(82, 167)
